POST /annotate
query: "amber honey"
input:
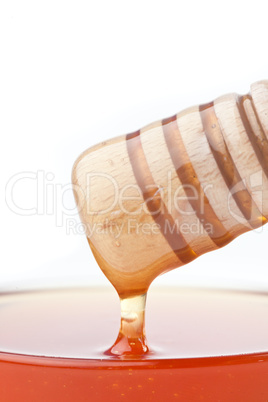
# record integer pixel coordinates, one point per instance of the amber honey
(209, 345)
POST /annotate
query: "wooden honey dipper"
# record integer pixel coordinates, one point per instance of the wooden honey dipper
(158, 198)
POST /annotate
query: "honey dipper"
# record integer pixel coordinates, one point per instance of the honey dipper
(156, 199)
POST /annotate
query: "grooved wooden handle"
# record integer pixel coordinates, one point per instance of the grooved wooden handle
(158, 198)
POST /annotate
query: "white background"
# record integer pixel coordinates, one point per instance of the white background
(74, 73)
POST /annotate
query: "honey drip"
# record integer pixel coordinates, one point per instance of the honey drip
(131, 340)
(158, 198)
